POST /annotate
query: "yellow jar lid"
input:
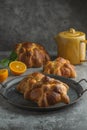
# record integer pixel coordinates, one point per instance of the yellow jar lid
(71, 33)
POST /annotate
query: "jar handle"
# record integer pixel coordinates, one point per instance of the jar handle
(83, 41)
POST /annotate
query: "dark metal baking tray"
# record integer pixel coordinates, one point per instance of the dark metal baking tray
(9, 92)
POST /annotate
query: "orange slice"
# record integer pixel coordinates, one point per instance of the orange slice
(3, 74)
(17, 67)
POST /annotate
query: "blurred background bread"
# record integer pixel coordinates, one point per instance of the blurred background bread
(32, 54)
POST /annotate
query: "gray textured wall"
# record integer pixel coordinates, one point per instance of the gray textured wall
(39, 20)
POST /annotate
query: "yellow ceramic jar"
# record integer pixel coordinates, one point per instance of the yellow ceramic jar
(71, 45)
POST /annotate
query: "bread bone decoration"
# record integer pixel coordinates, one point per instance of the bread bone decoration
(32, 54)
(61, 67)
(43, 90)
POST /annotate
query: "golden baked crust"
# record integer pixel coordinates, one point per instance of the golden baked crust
(61, 67)
(32, 54)
(43, 90)
(29, 81)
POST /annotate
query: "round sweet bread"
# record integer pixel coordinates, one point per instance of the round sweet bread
(61, 67)
(32, 54)
(43, 90)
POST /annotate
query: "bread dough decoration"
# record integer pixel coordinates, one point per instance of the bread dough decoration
(32, 54)
(43, 90)
(61, 67)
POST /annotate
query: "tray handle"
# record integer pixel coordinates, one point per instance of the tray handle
(80, 82)
(1, 86)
